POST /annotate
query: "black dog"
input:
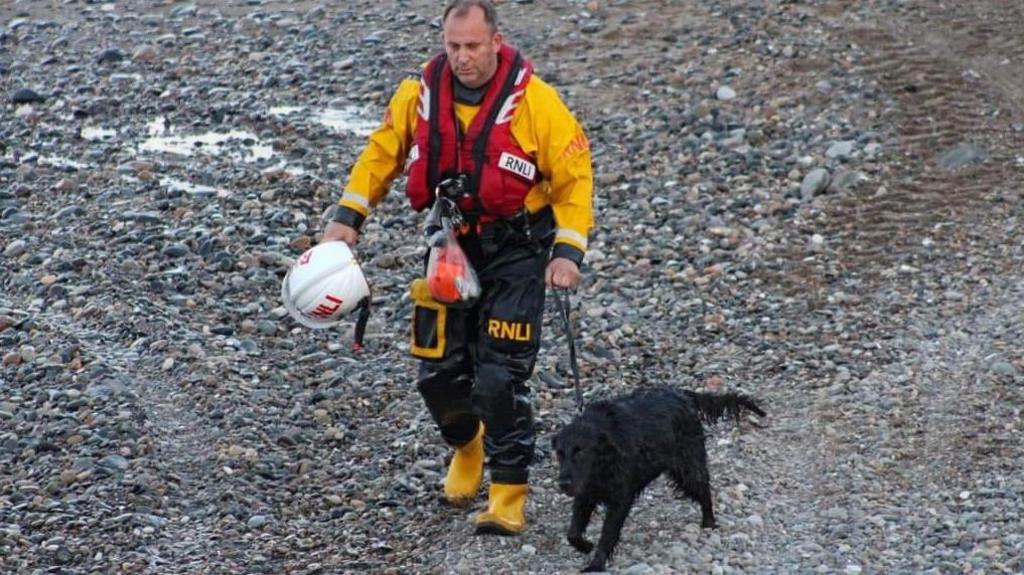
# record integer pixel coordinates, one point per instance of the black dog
(611, 452)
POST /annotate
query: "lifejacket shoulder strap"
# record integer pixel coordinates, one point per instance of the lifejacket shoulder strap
(433, 75)
(480, 144)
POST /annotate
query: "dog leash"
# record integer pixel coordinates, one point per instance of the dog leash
(563, 310)
(360, 331)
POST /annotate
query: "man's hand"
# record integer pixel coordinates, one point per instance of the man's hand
(562, 273)
(340, 232)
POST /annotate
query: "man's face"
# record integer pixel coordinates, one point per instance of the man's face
(471, 47)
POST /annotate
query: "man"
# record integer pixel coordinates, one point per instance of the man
(478, 116)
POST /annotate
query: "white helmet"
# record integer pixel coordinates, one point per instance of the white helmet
(323, 285)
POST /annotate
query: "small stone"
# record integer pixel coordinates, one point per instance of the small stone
(846, 180)
(116, 462)
(814, 183)
(175, 250)
(15, 249)
(12, 358)
(1004, 368)
(725, 93)
(28, 353)
(144, 55)
(320, 416)
(26, 96)
(840, 150)
(110, 56)
(267, 328)
(65, 185)
(67, 477)
(257, 521)
(961, 156)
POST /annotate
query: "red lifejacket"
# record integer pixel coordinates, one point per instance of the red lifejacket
(499, 173)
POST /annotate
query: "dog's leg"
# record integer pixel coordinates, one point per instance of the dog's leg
(698, 490)
(702, 496)
(615, 518)
(582, 510)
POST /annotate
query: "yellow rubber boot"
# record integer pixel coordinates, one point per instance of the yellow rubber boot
(504, 515)
(466, 471)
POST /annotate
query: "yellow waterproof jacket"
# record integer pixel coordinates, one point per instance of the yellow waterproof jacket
(542, 126)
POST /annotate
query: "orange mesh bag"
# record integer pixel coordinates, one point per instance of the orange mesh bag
(450, 276)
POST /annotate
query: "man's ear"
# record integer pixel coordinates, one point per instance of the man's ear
(497, 40)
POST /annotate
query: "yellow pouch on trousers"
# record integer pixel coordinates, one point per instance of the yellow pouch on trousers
(428, 322)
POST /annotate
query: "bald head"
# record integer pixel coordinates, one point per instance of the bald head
(471, 41)
(462, 8)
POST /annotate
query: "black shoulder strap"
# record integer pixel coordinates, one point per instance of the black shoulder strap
(434, 140)
(480, 145)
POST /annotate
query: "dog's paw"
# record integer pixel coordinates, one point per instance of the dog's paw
(597, 562)
(581, 544)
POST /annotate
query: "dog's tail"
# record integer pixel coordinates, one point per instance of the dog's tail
(715, 406)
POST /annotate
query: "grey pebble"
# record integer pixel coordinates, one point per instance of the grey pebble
(814, 183)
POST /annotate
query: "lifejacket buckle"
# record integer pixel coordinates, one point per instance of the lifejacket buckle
(452, 188)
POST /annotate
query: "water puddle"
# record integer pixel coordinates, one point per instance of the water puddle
(283, 166)
(97, 133)
(352, 119)
(59, 162)
(193, 189)
(236, 144)
(161, 137)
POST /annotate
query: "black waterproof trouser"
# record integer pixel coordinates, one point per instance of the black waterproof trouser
(476, 360)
